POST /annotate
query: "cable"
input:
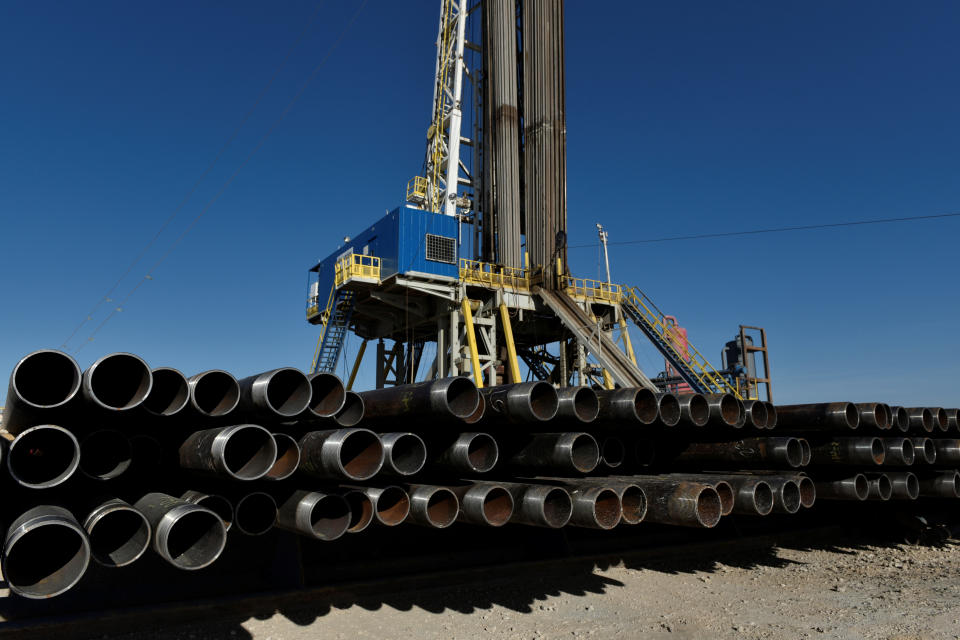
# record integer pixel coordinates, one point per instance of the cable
(206, 172)
(229, 181)
(776, 230)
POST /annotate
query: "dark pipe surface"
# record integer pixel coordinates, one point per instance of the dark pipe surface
(186, 535)
(898, 452)
(903, 485)
(725, 410)
(668, 409)
(947, 451)
(595, 507)
(391, 504)
(352, 411)
(42, 384)
(624, 407)
(925, 450)
(526, 402)
(484, 503)
(899, 419)
(539, 505)
(945, 484)
(579, 404)
(213, 394)
(941, 422)
(952, 418)
(772, 416)
(678, 501)
(239, 452)
(118, 534)
(117, 382)
(855, 487)
(327, 395)
(874, 415)
(404, 453)
(317, 515)
(444, 398)
(432, 506)
(105, 454)
(831, 416)
(560, 452)
(349, 454)
(879, 487)
(469, 453)
(288, 457)
(848, 451)
(43, 456)
(776, 451)
(219, 505)
(361, 509)
(170, 393)
(613, 452)
(920, 419)
(694, 410)
(755, 414)
(279, 393)
(45, 552)
(255, 513)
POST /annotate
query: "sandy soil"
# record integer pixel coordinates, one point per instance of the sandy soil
(848, 592)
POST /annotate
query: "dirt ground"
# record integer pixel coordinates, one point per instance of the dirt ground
(843, 592)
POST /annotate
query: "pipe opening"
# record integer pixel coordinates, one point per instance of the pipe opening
(475, 417)
(903, 419)
(862, 486)
(730, 409)
(699, 410)
(606, 509)
(763, 498)
(330, 517)
(913, 486)
(361, 510)
(669, 409)
(612, 452)
(758, 415)
(586, 404)
(352, 411)
(926, 418)
(105, 454)
(288, 392)
(790, 496)
(584, 453)
(462, 397)
(46, 378)
(46, 560)
(807, 452)
(327, 394)
(249, 452)
(645, 452)
(885, 419)
(195, 540)
(216, 393)
(361, 454)
(794, 452)
(442, 508)
(877, 451)
(940, 420)
(482, 452)
(120, 380)
(119, 537)
(169, 393)
(557, 508)
(393, 506)
(884, 487)
(929, 451)
(633, 502)
(220, 506)
(497, 506)
(808, 491)
(408, 454)
(288, 457)
(771, 414)
(956, 485)
(908, 452)
(645, 405)
(725, 493)
(145, 453)
(852, 415)
(255, 513)
(43, 456)
(543, 401)
(709, 508)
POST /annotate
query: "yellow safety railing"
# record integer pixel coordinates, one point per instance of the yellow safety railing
(417, 189)
(705, 373)
(486, 274)
(356, 265)
(592, 289)
(324, 321)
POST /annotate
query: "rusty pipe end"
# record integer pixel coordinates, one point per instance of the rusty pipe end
(327, 395)
(433, 506)
(595, 507)
(391, 504)
(404, 453)
(351, 413)
(633, 503)
(725, 493)
(486, 504)
(288, 457)
(361, 509)
(668, 409)
(694, 409)
(578, 403)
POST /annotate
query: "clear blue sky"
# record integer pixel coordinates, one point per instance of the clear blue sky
(686, 117)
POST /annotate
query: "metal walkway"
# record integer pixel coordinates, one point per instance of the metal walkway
(336, 319)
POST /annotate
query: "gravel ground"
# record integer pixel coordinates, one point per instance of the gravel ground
(848, 592)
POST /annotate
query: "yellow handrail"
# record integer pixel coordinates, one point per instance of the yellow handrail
(487, 274)
(356, 265)
(324, 321)
(592, 289)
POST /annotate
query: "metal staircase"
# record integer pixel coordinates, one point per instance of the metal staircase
(689, 363)
(336, 318)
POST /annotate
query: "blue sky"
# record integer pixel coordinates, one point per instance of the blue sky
(687, 117)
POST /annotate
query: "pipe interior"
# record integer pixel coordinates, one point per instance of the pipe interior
(913, 487)
(288, 392)
(908, 452)
(145, 452)
(669, 409)
(543, 401)
(105, 454)
(121, 381)
(940, 419)
(725, 492)
(729, 409)
(885, 419)
(557, 508)
(361, 510)
(43, 456)
(884, 487)
(328, 394)
(853, 416)
(288, 457)
(195, 539)
(586, 404)
(408, 454)
(877, 450)
(645, 404)
(216, 393)
(763, 498)
(807, 453)
(926, 419)
(956, 484)
(46, 560)
(46, 379)
(330, 517)
(758, 414)
(255, 513)
(634, 504)
(929, 451)
(699, 410)
(361, 454)
(482, 452)
(220, 506)
(794, 452)
(442, 508)
(393, 506)
(808, 491)
(612, 452)
(462, 397)
(645, 452)
(606, 508)
(119, 537)
(790, 495)
(584, 453)
(709, 508)
(475, 417)
(249, 453)
(169, 393)
(862, 486)
(497, 506)
(352, 411)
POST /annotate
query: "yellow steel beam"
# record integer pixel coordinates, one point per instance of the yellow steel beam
(607, 380)
(472, 342)
(511, 348)
(356, 364)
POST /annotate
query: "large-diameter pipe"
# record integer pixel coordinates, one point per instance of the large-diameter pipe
(755, 414)
(879, 488)
(186, 535)
(925, 451)
(391, 504)
(352, 411)
(539, 505)
(622, 408)
(578, 404)
(947, 451)
(899, 419)
(952, 419)
(469, 453)
(945, 484)
(41, 385)
(681, 502)
(404, 453)
(940, 420)
(288, 457)
(751, 495)
(772, 415)
(903, 485)
(808, 490)
(747, 452)
(118, 533)
(898, 452)
(725, 410)
(238, 452)
(613, 453)
(117, 382)
(169, 394)
(432, 506)
(105, 454)
(218, 504)
(595, 507)
(668, 409)
(694, 410)
(807, 452)
(786, 493)
(444, 398)
(327, 395)
(559, 452)
(280, 393)
(255, 513)
(45, 552)
(361, 509)
(526, 402)
(314, 514)
(43, 456)
(920, 419)
(484, 503)
(214, 393)
(855, 487)
(874, 415)
(830, 416)
(347, 454)
(849, 451)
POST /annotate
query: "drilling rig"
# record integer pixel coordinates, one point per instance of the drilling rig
(474, 263)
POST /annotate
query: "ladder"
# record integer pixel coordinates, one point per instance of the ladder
(691, 365)
(336, 318)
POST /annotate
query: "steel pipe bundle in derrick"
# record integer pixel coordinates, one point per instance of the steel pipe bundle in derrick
(120, 461)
